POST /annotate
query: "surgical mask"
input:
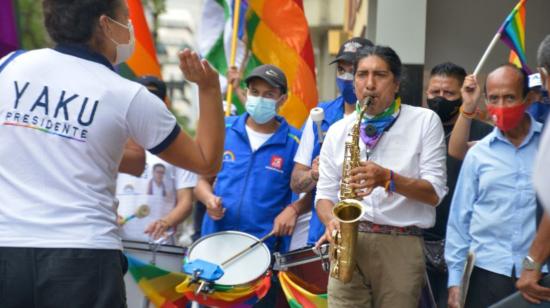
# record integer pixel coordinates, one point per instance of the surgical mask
(261, 109)
(506, 118)
(124, 51)
(445, 109)
(345, 86)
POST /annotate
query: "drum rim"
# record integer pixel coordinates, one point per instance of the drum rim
(189, 251)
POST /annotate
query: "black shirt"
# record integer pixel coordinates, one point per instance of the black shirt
(478, 130)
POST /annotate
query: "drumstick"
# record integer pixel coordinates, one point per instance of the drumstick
(242, 252)
(142, 211)
(317, 115)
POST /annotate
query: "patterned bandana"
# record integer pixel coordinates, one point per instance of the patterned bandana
(372, 127)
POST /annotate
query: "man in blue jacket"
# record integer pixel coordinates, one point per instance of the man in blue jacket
(306, 170)
(252, 191)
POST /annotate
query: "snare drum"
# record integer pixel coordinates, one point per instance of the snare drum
(167, 257)
(309, 264)
(219, 247)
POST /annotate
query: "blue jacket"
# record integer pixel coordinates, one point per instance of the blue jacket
(254, 186)
(334, 111)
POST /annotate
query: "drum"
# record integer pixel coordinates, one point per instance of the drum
(310, 265)
(218, 247)
(167, 257)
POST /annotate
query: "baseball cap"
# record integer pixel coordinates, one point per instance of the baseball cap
(349, 49)
(270, 74)
(154, 85)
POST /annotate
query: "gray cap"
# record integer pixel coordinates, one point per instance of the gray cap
(270, 74)
(348, 50)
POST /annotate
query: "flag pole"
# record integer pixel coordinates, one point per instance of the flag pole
(236, 13)
(487, 52)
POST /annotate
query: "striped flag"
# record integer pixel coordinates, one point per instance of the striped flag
(512, 33)
(157, 284)
(144, 59)
(173, 290)
(276, 33)
(297, 295)
(9, 40)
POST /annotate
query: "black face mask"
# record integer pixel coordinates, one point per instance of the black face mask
(445, 108)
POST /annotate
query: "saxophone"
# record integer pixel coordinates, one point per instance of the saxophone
(349, 209)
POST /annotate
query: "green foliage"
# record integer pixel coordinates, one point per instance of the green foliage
(32, 33)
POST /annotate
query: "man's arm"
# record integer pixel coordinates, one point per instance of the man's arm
(133, 159)
(540, 252)
(458, 143)
(305, 178)
(458, 239)
(205, 194)
(204, 154)
(306, 172)
(285, 222)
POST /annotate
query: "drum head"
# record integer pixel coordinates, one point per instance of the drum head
(218, 247)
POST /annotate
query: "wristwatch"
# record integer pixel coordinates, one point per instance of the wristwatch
(530, 264)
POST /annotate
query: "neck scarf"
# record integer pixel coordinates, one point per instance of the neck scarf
(372, 127)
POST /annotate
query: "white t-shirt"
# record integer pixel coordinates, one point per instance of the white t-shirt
(256, 139)
(156, 188)
(307, 143)
(64, 122)
(413, 147)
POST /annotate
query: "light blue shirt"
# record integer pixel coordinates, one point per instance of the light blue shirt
(493, 211)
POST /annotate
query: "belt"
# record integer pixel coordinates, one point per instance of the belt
(369, 227)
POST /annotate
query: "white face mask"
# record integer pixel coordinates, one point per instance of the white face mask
(124, 51)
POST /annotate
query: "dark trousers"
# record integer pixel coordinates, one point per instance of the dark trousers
(438, 283)
(487, 288)
(55, 278)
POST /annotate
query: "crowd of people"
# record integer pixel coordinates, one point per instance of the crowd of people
(437, 181)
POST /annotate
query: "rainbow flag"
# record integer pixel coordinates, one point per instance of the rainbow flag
(9, 40)
(276, 33)
(297, 294)
(173, 290)
(512, 33)
(157, 284)
(144, 60)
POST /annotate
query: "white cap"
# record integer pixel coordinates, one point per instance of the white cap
(535, 81)
(317, 114)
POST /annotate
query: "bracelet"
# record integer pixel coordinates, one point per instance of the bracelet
(467, 115)
(164, 223)
(312, 177)
(295, 210)
(390, 184)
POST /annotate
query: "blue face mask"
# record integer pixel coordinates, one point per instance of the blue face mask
(345, 86)
(261, 109)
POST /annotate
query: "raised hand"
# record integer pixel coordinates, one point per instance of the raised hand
(470, 94)
(197, 70)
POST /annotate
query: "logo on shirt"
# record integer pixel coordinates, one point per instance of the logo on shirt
(228, 156)
(277, 162)
(49, 111)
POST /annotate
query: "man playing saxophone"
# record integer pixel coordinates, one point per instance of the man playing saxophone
(400, 178)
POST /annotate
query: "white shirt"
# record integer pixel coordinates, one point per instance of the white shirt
(64, 122)
(413, 147)
(541, 177)
(133, 192)
(256, 139)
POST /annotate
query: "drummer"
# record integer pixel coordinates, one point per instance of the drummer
(166, 191)
(252, 191)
